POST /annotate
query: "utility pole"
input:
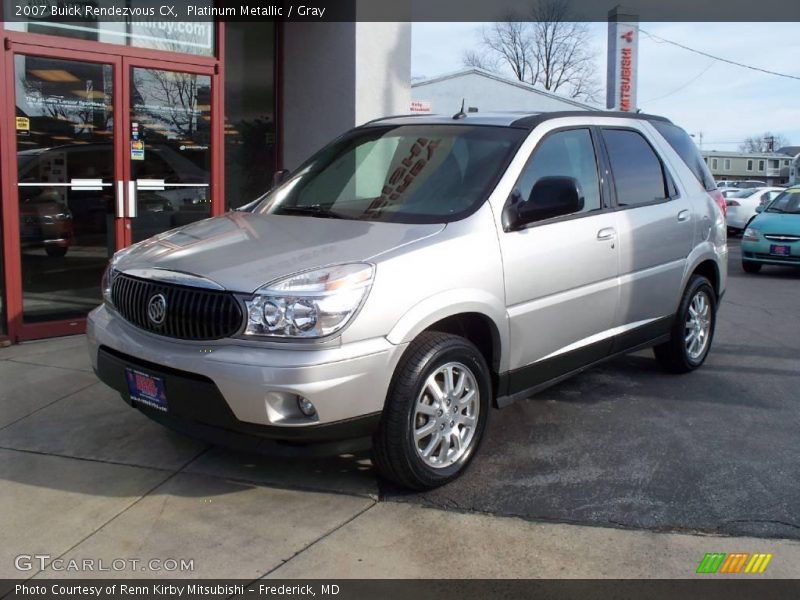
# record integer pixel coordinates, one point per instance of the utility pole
(770, 142)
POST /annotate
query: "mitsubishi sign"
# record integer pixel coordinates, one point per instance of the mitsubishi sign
(623, 59)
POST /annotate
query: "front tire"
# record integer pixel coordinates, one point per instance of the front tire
(435, 413)
(56, 251)
(751, 267)
(693, 330)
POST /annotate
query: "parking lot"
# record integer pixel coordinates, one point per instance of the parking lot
(623, 446)
(628, 445)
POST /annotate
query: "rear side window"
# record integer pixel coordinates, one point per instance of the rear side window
(638, 173)
(686, 149)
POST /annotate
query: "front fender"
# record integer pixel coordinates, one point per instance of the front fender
(448, 304)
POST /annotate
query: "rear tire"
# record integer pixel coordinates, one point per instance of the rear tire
(751, 267)
(693, 329)
(435, 413)
(56, 251)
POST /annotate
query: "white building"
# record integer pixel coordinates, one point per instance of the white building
(486, 92)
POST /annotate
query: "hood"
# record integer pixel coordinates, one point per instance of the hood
(243, 251)
(767, 222)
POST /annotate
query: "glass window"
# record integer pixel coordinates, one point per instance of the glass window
(727, 164)
(402, 174)
(761, 165)
(749, 165)
(787, 202)
(250, 135)
(638, 173)
(148, 31)
(687, 150)
(569, 154)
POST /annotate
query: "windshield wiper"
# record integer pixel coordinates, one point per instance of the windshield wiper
(315, 210)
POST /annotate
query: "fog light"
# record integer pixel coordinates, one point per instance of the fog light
(306, 406)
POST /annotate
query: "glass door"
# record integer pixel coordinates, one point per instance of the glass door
(67, 195)
(169, 160)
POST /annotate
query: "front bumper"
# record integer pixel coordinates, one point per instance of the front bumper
(758, 252)
(243, 394)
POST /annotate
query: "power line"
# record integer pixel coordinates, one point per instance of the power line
(678, 89)
(719, 58)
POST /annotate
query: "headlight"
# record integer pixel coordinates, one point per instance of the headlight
(110, 273)
(56, 218)
(751, 234)
(107, 282)
(312, 304)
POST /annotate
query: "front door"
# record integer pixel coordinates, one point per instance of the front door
(110, 150)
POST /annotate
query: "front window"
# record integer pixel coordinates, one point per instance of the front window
(401, 174)
(787, 202)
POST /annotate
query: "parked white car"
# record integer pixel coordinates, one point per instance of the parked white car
(742, 205)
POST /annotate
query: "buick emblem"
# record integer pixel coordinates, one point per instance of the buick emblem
(157, 309)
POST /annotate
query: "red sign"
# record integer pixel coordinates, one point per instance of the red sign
(625, 73)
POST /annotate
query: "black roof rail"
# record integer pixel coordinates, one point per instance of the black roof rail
(379, 119)
(534, 120)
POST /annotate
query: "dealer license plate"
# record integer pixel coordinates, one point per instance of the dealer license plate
(778, 250)
(146, 389)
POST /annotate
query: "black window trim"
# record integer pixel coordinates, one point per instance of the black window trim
(606, 205)
(669, 180)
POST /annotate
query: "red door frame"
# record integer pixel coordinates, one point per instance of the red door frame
(121, 58)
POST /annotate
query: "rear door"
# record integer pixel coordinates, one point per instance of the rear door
(655, 230)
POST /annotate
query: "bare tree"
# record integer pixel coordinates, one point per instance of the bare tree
(768, 142)
(548, 49)
(485, 61)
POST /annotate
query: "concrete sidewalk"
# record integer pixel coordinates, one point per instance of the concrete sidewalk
(83, 476)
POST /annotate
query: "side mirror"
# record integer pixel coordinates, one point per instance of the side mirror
(760, 208)
(550, 197)
(279, 177)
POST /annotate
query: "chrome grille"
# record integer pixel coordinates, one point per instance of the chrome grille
(191, 313)
(782, 237)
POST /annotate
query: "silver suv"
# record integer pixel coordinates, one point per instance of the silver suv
(412, 275)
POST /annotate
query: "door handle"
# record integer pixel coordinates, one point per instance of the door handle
(683, 215)
(131, 199)
(120, 199)
(605, 234)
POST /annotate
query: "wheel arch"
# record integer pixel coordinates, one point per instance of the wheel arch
(482, 320)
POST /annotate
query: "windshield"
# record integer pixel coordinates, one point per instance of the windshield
(787, 202)
(746, 193)
(401, 174)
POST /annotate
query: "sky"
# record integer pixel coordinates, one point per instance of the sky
(725, 102)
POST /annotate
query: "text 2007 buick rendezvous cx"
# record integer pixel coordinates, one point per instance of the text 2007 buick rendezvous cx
(411, 275)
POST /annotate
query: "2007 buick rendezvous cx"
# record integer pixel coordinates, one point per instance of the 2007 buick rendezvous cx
(413, 273)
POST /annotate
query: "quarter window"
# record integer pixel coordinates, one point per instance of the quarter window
(567, 154)
(638, 172)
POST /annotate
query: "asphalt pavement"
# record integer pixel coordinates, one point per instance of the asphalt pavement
(627, 445)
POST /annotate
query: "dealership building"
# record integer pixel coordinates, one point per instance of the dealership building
(111, 132)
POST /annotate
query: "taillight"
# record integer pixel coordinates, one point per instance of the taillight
(720, 200)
